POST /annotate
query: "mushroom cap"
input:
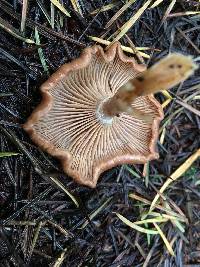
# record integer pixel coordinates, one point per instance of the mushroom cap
(66, 125)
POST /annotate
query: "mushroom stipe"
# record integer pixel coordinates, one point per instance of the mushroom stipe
(98, 111)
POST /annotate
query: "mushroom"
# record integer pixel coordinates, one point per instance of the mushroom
(96, 112)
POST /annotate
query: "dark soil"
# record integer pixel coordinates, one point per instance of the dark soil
(39, 223)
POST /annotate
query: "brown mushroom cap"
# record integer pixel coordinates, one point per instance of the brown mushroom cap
(67, 123)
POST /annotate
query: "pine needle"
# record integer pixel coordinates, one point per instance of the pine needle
(61, 258)
(178, 173)
(167, 244)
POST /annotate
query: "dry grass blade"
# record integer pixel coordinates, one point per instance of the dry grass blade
(150, 254)
(156, 3)
(14, 32)
(24, 13)
(35, 238)
(22, 223)
(156, 219)
(187, 13)
(119, 12)
(166, 102)
(136, 227)
(179, 172)
(76, 6)
(60, 258)
(162, 137)
(52, 16)
(181, 217)
(163, 215)
(125, 28)
(169, 9)
(167, 94)
(167, 244)
(43, 30)
(175, 207)
(133, 47)
(60, 7)
(62, 187)
(94, 214)
(103, 8)
(60, 228)
(124, 48)
(175, 221)
(146, 173)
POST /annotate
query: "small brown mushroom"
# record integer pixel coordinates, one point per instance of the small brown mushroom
(87, 118)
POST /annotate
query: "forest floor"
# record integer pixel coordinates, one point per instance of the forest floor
(45, 217)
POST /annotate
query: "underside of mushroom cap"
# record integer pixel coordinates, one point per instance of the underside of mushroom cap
(67, 126)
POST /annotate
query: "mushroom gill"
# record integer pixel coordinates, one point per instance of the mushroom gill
(70, 122)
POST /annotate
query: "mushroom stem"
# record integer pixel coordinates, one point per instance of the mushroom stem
(168, 72)
(121, 102)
